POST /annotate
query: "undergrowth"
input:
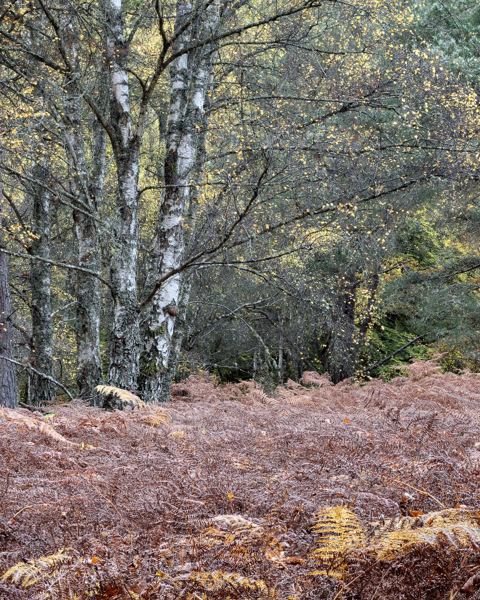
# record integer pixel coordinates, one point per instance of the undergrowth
(360, 492)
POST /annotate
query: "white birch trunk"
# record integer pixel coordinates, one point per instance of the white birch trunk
(124, 346)
(190, 78)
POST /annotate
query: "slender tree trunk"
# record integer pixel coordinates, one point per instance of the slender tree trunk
(88, 307)
(8, 378)
(40, 281)
(125, 353)
(89, 302)
(280, 354)
(89, 190)
(177, 338)
(190, 80)
(342, 348)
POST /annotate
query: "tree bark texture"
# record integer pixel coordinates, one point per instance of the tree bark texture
(177, 338)
(190, 81)
(40, 282)
(88, 187)
(124, 346)
(8, 379)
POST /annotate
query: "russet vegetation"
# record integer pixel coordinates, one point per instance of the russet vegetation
(267, 213)
(317, 491)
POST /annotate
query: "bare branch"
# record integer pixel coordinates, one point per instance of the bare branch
(58, 264)
(30, 368)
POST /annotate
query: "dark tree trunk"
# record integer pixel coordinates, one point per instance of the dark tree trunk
(40, 281)
(87, 327)
(8, 380)
(89, 189)
(343, 336)
(88, 307)
(342, 345)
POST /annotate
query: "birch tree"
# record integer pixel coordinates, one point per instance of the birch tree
(191, 77)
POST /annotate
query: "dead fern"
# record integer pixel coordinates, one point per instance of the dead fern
(242, 538)
(119, 398)
(26, 574)
(155, 417)
(33, 424)
(455, 528)
(214, 585)
(339, 532)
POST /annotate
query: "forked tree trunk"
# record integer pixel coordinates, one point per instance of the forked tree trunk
(190, 80)
(40, 282)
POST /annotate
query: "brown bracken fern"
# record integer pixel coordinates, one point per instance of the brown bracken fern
(241, 537)
(222, 499)
(33, 424)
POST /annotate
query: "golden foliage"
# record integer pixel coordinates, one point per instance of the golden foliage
(156, 417)
(33, 424)
(29, 573)
(242, 537)
(339, 532)
(456, 528)
(217, 584)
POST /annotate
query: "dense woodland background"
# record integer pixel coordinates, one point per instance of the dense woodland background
(252, 188)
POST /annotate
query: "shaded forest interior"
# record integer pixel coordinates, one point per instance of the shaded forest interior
(254, 189)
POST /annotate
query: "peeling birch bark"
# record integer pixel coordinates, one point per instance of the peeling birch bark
(124, 345)
(190, 79)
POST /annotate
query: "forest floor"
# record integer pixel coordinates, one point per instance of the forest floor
(216, 495)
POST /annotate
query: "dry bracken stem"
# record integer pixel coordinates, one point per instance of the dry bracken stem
(420, 491)
(340, 593)
(25, 508)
